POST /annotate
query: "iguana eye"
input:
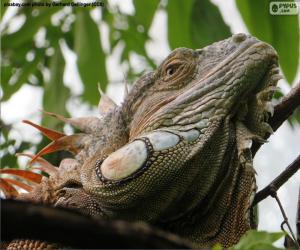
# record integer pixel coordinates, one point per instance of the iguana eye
(170, 70)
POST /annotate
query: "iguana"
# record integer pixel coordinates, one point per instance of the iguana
(176, 154)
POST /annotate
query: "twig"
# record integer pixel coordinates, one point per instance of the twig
(278, 181)
(282, 111)
(285, 220)
(298, 218)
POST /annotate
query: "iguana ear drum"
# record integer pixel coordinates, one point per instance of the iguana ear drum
(125, 161)
(133, 158)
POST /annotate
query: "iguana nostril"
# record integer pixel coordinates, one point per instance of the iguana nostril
(238, 38)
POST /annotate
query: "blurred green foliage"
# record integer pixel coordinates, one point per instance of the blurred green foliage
(35, 48)
(191, 23)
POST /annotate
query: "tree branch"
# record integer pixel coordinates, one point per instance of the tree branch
(69, 228)
(282, 111)
(286, 107)
(278, 181)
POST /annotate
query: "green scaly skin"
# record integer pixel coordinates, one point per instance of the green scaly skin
(176, 154)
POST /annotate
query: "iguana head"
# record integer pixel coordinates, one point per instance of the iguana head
(176, 153)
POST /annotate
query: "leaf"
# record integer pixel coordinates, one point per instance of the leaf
(257, 18)
(276, 30)
(218, 246)
(286, 28)
(55, 93)
(144, 12)
(3, 10)
(179, 22)
(91, 58)
(135, 43)
(194, 24)
(207, 25)
(29, 28)
(6, 73)
(256, 240)
(27, 69)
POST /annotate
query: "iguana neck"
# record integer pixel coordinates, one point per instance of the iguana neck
(213, 207)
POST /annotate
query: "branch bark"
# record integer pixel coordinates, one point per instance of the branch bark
(68, 228)
(278, 181)
(286, 107)
(282, 111)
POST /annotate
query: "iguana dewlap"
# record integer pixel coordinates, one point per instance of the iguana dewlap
(176, 153)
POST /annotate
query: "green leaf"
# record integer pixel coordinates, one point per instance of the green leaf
(218, 246)
(55, 92)
(3, 9)
(286, 28)
(91, 58)
(6, 73)
(29, 28)
(258, 240)
(136, 43)
(276, 30)
(257, 18)
(179, 23)
(194, 24)
(207, 24)
(144, 12)
(27, 69)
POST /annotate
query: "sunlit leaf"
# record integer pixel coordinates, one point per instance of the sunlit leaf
(282, 32)
(91, 58)
(254, 240)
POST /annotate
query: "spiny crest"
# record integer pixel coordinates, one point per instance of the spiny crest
(59, 141)
(106, 104)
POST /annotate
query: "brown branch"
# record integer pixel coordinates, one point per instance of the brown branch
(68, 228)
(282, 111)
(278, 181)
(286, 107)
